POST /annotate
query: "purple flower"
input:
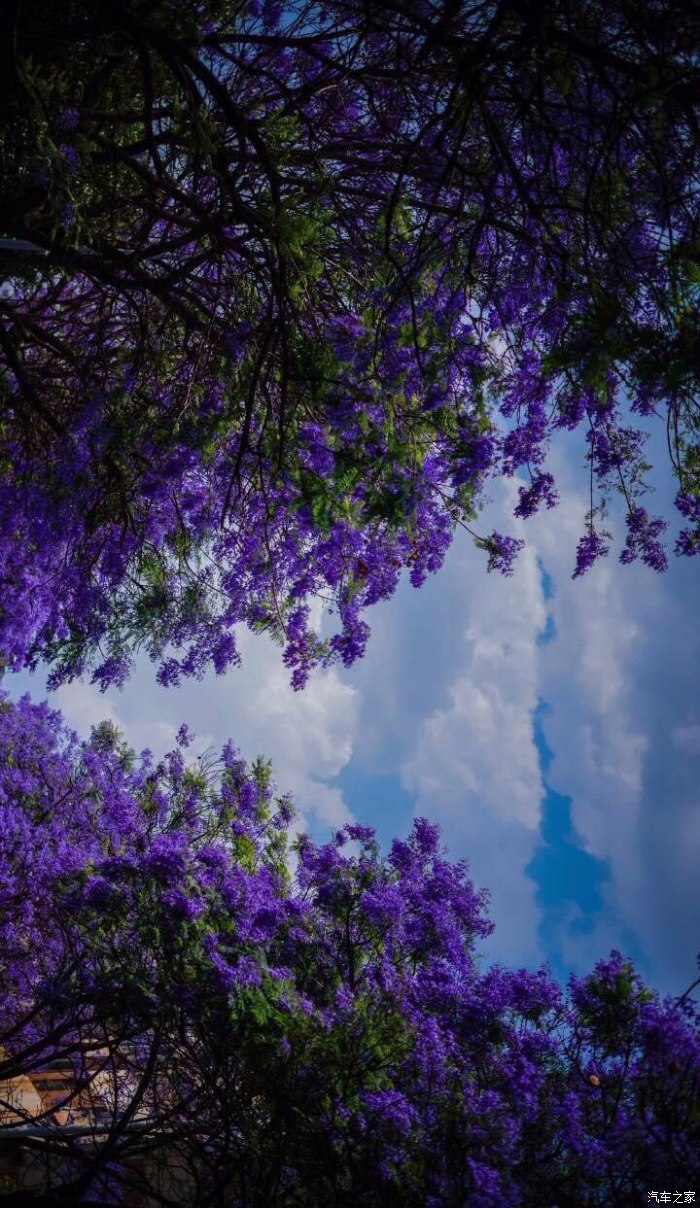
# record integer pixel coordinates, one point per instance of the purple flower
(502, 552)
(70, 155)
(590, 547)
(643, 540)
(688, 542)
(541, 490)
(68, 119)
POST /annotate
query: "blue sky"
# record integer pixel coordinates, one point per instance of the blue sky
(551, 728)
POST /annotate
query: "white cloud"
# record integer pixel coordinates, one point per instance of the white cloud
(463, 725)
(308, 735)
(84, 706)
(616, 627)
(475, 766)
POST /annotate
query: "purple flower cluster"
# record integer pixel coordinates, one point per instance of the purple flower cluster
(344, 1014)
(643, 541)
(322, 309)
(591, 547)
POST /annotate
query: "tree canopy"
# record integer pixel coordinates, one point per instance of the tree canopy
(283, 288)
(286, 285)
(233, 1034)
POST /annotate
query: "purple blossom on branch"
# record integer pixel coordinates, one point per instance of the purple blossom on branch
(278, 353)
(347, 999)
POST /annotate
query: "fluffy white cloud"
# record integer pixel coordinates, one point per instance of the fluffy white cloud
(307, 735)
(616, 675)
(475, 767)
(83, 706)
(616, 678)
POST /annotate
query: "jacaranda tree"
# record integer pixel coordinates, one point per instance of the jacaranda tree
(286, 284)
(230, 1034)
